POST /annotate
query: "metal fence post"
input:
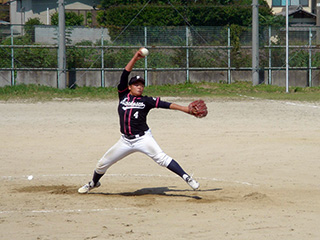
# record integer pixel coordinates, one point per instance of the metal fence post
(310, 58)
(102, 60)
(187, 53)
(146, 58)
(12, 57)
(270, 63)
(229, 56)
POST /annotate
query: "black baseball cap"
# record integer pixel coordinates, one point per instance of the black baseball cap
(137, 79)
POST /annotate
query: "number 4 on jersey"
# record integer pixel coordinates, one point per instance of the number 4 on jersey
(136, 115)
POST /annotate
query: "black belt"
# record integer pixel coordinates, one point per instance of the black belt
(133, 136)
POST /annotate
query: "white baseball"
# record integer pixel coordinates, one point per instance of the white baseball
(144, 52)
(30, 177)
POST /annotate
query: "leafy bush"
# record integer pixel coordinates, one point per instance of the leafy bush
(72, 19)
(82, 57)
(198, 13)
(29, 27)
(28, 57)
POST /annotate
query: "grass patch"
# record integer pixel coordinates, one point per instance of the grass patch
(43, 93)
(204, 90)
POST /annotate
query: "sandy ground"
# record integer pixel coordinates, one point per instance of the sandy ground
(257, 161)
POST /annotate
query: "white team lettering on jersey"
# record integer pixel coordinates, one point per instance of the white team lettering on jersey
(131, 105)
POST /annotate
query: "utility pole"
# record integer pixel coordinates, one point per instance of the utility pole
(255, 42)
(62, 46)
(318, 21)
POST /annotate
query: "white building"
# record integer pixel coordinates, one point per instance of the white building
(278, 5)
(22, 10)
(301, 12)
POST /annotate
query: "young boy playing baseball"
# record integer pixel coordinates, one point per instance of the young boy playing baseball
(136, 136)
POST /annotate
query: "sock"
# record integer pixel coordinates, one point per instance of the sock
(175, 167)
(96, 177)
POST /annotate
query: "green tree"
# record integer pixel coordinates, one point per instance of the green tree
(82, 57)
(28, 57)
(4, 13)
(72, 19)
(272, 20)
(29, 27)
(198, 13)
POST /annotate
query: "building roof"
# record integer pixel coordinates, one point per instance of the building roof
(4, 22)
(4, 1)
(297, 12)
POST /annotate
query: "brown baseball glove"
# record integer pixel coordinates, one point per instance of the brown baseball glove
(198, 108)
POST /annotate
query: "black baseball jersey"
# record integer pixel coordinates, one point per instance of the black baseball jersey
(133, 110)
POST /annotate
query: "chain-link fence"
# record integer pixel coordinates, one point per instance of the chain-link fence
(179, 54)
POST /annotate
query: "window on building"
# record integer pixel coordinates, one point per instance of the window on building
(282, 3)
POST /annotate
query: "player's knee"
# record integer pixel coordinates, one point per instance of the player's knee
(162, 159)
(102, 167)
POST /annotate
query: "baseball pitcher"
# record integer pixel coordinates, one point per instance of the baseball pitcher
(136, 136)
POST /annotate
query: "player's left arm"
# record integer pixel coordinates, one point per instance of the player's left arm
(173, 106)
(197, 108)
(178, 107)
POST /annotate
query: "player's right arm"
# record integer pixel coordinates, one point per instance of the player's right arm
(123, 85)
(134, 59)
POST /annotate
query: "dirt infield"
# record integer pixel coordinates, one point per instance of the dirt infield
(257, 161)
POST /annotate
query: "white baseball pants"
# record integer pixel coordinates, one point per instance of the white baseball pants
(145, 144)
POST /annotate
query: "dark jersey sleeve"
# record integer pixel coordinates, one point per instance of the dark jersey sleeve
(123, 85)
(163, 104)
(153, 102)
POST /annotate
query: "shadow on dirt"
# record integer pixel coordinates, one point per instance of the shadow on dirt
(156, 191)
(161, 191)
